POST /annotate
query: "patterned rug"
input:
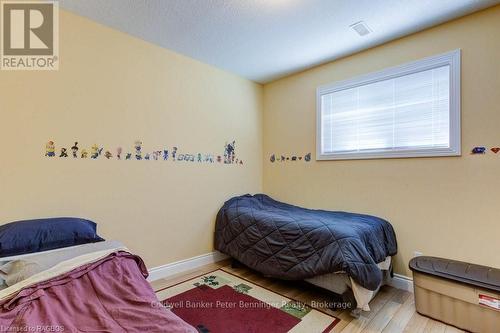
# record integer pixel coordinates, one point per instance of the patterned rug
(220, 302)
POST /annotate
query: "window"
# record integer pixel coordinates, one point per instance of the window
(407, 111)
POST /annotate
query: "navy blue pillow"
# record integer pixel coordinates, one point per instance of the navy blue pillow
(45, 234)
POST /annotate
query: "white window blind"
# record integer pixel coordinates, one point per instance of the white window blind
(401, 113)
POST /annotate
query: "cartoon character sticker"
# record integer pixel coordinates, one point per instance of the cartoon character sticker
(209, 158)
(84, 153)
(63, 153)
(495, 150)
(229, 152)
(119, 153)
(74, 150)
(138, 148)
(478, 150)
(108, 154)
(174, 153)
(50, 149)
(95, 151)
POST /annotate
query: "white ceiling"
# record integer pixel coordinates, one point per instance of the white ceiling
(263, 40)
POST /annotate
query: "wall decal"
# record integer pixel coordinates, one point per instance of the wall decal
(174, 153)
(138, 153)
(50, 149)
(495, 150)
(478, 150)
(95, 151)
(138, 148)
(293, 158)
(74, 150)
(229, 152)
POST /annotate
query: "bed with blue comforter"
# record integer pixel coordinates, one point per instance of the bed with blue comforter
(289, 242)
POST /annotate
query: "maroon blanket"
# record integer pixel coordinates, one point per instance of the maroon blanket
(110, 295)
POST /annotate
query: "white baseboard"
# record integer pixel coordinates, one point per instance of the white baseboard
(401, 282)
(180, 266)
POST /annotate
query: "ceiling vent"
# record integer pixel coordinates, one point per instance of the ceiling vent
(361, 28)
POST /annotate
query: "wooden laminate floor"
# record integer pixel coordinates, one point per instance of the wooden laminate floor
(392, 310)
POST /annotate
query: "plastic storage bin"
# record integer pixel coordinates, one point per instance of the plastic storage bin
(457, 293)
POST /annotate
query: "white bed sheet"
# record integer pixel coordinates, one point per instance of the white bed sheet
(15, 269)
(340, 282)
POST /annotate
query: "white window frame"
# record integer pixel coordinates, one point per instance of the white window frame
(451, 58)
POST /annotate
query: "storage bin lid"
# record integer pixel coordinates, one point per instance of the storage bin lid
(476, 275)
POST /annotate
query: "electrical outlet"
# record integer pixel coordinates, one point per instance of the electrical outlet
(417, 253)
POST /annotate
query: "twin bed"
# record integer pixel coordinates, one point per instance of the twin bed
(97, 286)
(59, 275)
(338, 251)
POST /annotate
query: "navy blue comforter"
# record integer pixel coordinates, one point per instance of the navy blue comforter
(294, 243)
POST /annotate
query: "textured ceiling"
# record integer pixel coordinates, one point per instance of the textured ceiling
(263, 40)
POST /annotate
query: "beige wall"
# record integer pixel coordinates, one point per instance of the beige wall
(441, 206)
(112, 89)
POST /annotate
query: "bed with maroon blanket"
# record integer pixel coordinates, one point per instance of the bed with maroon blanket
(101, 291)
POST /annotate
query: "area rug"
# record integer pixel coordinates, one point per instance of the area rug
(220, 302)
